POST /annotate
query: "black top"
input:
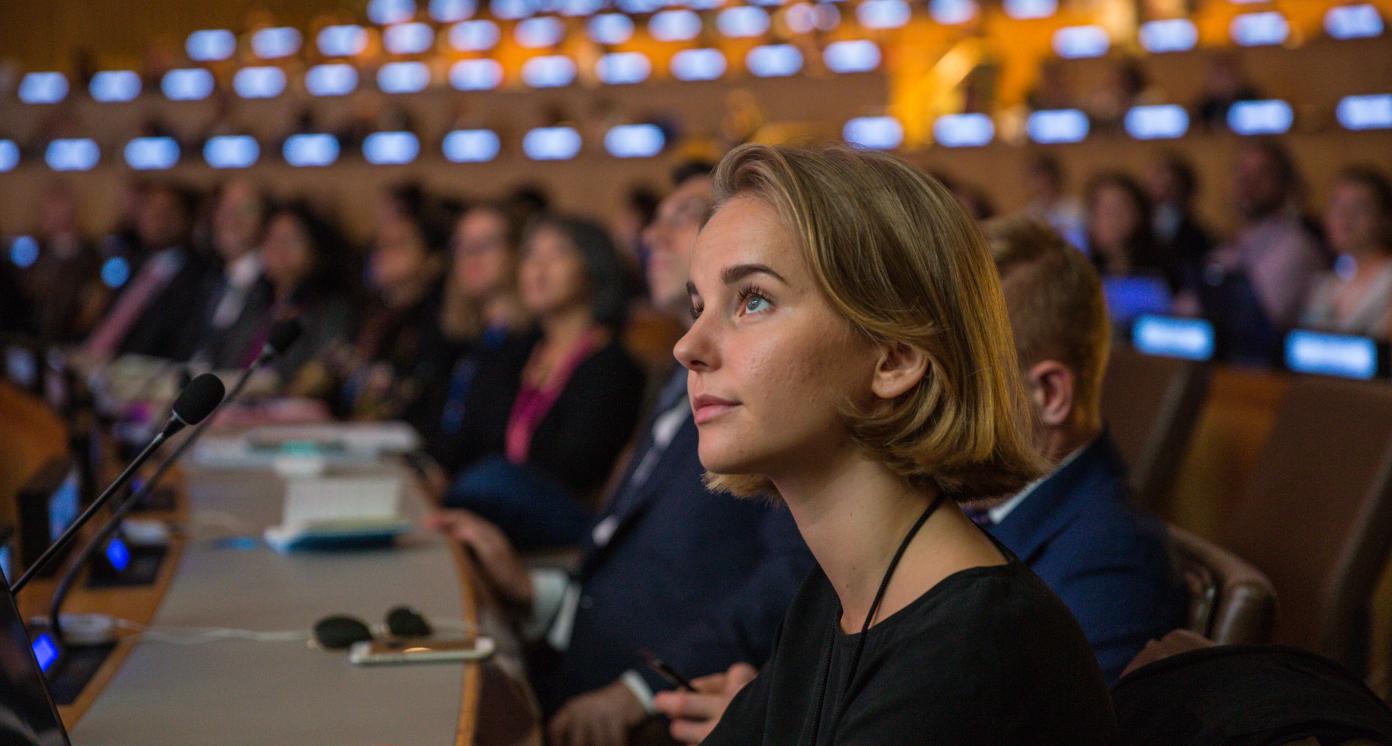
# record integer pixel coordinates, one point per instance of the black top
(581, 435)
(989, 655)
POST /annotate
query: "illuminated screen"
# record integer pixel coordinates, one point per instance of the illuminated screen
(1341, 355)
(63, 505)
(1170, 336)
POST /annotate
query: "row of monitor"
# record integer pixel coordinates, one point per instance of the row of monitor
(1304, 351)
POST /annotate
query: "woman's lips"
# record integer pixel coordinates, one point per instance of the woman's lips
(705, 407)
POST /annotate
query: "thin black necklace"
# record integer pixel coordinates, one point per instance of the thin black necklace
(860, 642)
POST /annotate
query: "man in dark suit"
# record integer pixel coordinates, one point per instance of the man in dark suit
(701, 580)
(1077, 528)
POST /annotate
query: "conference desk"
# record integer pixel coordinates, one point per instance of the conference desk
(236, 691)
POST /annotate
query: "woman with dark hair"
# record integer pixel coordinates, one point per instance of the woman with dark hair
(1119, 234)
(548, 413)
(1357, 297)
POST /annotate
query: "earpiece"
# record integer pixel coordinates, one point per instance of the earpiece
(404, 621)
(338, 632)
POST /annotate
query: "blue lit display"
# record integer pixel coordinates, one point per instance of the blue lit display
(622, 68)
(111, 86)
(474, 36)
(804, 18)
(1259, 29)
(45, 651)
(552, 71)
(876, 133)
(43, 88)
(580, 8)
(674, 25)
(342, 41)
(698, 64)
(274, 43)
(742, 21)
(115, 272)
(1026, 9)
(24, 251)
(5, 564)
(1158, 122)
(551, 143)
(409, 38)
(1081, 42)
(1353, 22)
(1271, 117)
(188, 84)
(72, 154)
(118, 554)
(387, 12)
(1057, 126)
(1169, 336)
(231, 151)
(639, 7)
(64, 505)
(450, 11)
(403, 77)
(334, 79)
(853, 56)
(471, 146)
(634, 141)
(1171, 35)
(1363, 112)
(210, 45)
(949, 12)
(774, 60)
(510, 10)
(310, 149)
(259, 82)
(476, 75)
(152, 153)
(543, 31)
(9, 156)
(610, 28)
(1129, 296)
(390, 148)
(883, 14)
(1341, 355)
(963, 130)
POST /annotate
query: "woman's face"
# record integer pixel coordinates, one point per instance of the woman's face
(400, 255)
(770, 363)
(482, 262)
(551, 275)
(286, 255)
(1112, 218)
(1350, 220)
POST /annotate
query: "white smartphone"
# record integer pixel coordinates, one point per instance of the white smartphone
(402, 652)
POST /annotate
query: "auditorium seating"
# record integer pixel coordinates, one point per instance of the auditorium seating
(1316, 514)
(1230, 602)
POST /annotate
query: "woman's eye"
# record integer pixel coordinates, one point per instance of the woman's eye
(756, 304)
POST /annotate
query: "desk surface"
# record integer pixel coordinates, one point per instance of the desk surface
(242, 692)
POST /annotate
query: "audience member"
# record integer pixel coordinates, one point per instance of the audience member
(1119, 236)
(1358, 223)
(1225, 85)
(549, 412)
(239, 297)
(821, 373)
(63, 287)
(657, 518)
(1049, 200)
(1179, 233)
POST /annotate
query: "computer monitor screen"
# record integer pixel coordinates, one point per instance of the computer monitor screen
(27, 714)
(64, 504)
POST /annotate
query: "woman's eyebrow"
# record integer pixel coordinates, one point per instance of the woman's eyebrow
(733, 274)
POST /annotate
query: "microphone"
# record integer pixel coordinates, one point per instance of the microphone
(195, 403)
(283, 334)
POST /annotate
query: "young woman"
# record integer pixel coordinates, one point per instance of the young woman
(851, 357)
(1358, 223)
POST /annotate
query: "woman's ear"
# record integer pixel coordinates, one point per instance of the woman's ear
(900, 367)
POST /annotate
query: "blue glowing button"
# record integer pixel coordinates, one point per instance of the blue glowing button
(306, 149)
(551, 143)
(390, 148)
(342, 41)
(24, 251)
(335, 79)
(45, 651)
(1373, 112)
(1054, 126)
(387, 12)
(963, 130)
(231, 151)
(698, 64)
(552, 71)
(9, 156)
(43, 88)
(403, 77)
(1081, 42)
(622, 68)
(259, 82)
(451, 11)
(742, 21)
(210, 45)
(474, 36)
(72, 154)
(774, 60)
(634, 141)
(409, 38)
(544, 31)
(188, 84)
(274, 43)
(875, 133)
(1027, 9)
(674, 25)
(118, 554)
(1170, 336)
(1341, 355)
(952, 12)
(115, 272)
(1259, 29)
(111, 86)
(852, 56)
(610, 28)
(476, 75)
(5, 564)
(471, 146)
(1158, 122)
(1353, 22)
(883, 14)
(1271, 117)
(152, 153)
(1170, 35)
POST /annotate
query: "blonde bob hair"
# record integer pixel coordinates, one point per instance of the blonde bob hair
(900, 260)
